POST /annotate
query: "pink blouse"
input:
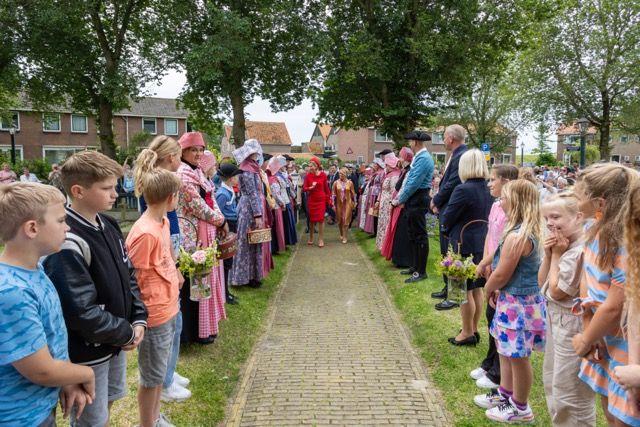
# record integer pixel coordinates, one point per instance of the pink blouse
(497, 222)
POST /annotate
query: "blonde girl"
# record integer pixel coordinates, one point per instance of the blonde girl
(602, 191)
(488, 374)
(164, 152)
(519, 323)
(569, 400)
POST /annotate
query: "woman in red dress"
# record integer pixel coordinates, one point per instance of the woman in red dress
(319, 197)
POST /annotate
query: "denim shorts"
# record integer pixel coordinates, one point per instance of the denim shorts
(154, 352)
(111, 385)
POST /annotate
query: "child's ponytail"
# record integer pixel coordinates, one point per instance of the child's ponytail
(632, 244)
(145, 163)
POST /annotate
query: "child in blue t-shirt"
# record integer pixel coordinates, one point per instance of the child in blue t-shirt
(34, 364)
(228, 204)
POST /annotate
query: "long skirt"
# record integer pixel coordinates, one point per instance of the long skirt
(369, 220)
(200, 319)
(362, 206)
(387, 245)
(290, 234)
(279, 226)
(401, 255)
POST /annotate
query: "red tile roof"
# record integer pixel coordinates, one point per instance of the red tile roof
(267, 133)
(573, 130)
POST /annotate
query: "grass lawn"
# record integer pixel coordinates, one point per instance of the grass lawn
(448, 366)
(214, 369)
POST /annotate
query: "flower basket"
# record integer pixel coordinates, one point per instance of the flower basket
(227, 246)
(261, 235)
(200, 289)
(457, 289)
(373, 211)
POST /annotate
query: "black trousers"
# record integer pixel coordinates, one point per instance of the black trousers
(491, 363)
(417, 207)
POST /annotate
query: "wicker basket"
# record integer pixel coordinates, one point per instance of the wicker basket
(373, 211)
(261, 235)
(227, 246)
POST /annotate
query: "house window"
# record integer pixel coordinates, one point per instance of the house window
(381, 137)
(439, 158)
(615, 158)
(437, 138)
(79, 124)
(506, 159)
(58, 154)
(170, 126)
(6, 151)
(624, 139)
(51, 122)
(149, 125)
(637, 158)
(361, 159)
(15, 121)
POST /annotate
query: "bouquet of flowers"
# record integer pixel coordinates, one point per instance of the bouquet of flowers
(198, 267)
(457, 269)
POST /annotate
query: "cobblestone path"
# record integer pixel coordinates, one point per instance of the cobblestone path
(334, 352)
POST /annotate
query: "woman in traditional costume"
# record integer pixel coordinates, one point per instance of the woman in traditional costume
(344, 199)
(392, 175)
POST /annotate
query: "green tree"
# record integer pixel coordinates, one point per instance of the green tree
(546, 159)
(95, 55)
(233, 51)
(542, 135)
(392, 64)
(9, 71)
(584, 62)
(592, 154)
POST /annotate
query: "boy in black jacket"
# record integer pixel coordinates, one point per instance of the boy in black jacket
(95, 281)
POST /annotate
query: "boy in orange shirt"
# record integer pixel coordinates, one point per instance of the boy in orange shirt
(149, 248)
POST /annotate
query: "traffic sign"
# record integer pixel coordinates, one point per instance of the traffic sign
(573, 148)
(485, 147)
(487, 157)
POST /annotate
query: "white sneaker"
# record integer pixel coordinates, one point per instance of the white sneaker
(163, 422)
(183, 381)
(508, 413)
(485, 382)
(489, 400)
(477, 373)
(174, 393)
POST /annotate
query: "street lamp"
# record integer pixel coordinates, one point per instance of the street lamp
(12, 132)
(583, 125)
(522, 154)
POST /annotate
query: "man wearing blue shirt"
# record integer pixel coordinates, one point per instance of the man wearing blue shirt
(415, 197)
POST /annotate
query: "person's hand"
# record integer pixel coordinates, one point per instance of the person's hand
(548, 244)
(627, 376)
(314, 185)
(225, 229)
(492, 299)
(138, 332)
(480, 268)
(258, 222)
(582, 349)
(377, 205)
(561, 246)
(180, 280)
(395, 202)
(433, 207)
(78, 395)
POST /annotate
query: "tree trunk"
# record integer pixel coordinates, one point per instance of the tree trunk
(237, 105)
(105, 118)
(605, 127)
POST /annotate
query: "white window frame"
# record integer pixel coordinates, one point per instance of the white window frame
(506, 156)
(155, 124)
(615, 155)
(6, 148)
(377, 137)
(626, 158)
(86, 123)
(73, 148)
(44, 123)
(637, 158)
(436, 155)
(437, 138)
(624, 139)
(165, 127)
(6, 129)
(360, 160)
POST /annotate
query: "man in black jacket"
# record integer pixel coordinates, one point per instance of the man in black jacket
(454, 137)
(100, 299)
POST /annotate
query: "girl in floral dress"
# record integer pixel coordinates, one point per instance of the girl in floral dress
(384, 203)
(520, 320)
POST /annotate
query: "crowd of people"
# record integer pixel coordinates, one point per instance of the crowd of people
(76, 295)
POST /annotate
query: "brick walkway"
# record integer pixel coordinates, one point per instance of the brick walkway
(335, 352)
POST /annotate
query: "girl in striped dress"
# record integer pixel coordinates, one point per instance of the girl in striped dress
(602, 191)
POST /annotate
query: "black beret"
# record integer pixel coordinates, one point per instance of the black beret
(266, 156)
(288, 158)
(227, 170)
(418, 135)
(384, 152)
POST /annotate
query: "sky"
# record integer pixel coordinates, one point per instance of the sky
(299, 120)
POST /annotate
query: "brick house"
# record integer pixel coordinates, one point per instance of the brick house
(273, 137)
(361, 145)
(625, 147)
(56, 134)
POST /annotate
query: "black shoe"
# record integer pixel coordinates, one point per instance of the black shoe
(306, 231)
(415, 277)
(440, 294)
(255, 283)
(467, 341)
(206, 341)
(447, 305)
(232, 300)
(408, 272)
(477, 335)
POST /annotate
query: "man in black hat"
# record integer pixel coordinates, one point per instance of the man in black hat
(226, 201)
(384, 153)
(415, 197)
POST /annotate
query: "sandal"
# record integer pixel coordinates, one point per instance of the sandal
(310, 242)
(321, 245)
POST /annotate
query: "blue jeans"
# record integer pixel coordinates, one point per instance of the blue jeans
(175, 350)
